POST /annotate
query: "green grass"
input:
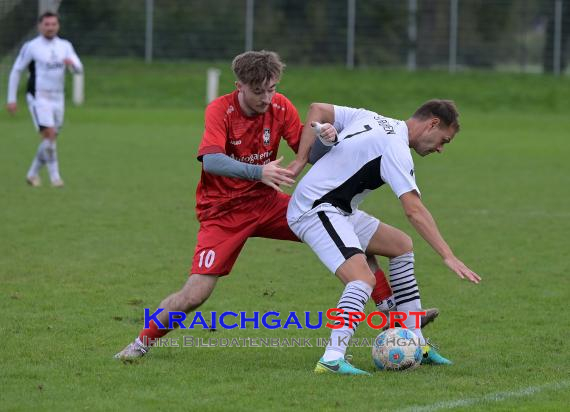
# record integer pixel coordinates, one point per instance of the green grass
(78, 265)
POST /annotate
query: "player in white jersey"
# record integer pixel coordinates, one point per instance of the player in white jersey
(369, 151)
(46, 57)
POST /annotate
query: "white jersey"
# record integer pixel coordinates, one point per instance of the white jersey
(372, 150)
(44, 59)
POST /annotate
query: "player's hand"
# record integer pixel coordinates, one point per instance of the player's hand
(296, 167)
(325, 132)
(274, 175)
(68, 62)
(12, 108)
(461, 269)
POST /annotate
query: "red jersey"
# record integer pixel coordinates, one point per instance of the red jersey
(253, 140)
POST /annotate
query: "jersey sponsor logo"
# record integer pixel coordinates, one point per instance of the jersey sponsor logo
(235, 142)
(54, 66)
(254, 158)
(383, 123)
(266, 136)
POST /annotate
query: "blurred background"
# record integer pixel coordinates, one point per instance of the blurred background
(509, 35)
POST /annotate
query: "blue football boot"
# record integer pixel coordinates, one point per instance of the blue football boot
(339, 366)
(432, 357)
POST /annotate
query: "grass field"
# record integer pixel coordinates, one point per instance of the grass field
(79, 265)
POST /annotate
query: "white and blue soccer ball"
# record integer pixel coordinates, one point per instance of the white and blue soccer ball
(397, 349)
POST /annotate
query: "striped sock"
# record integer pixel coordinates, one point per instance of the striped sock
(405, 289)
(353, 299)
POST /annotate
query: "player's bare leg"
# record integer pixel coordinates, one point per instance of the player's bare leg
(194, 293)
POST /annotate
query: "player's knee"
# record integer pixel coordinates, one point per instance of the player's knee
(405, 244)
(49, 133)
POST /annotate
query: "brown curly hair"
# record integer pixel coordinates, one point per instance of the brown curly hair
(256, 67)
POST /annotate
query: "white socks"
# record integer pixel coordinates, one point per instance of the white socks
(51, 160)
(46, 155)
(39, 160)
(353, 299)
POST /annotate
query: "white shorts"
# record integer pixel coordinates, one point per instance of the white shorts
(46, 109)
(333, 235)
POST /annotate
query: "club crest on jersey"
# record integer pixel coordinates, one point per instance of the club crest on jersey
(266, 136)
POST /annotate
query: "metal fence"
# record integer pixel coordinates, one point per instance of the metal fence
(515, 35)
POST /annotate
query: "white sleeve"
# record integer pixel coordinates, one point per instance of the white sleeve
(397, 169)
(22, 61)
(77, 65)
(344, 115)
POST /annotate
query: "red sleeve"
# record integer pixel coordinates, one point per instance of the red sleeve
(292, 126)
(215, 130)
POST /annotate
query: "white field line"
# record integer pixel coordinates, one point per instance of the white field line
(492, 397)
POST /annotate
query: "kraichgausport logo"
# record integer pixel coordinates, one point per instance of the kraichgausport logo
(273, 320)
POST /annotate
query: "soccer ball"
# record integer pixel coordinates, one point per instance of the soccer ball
(397, 349)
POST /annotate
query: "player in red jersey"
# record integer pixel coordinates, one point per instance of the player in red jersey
(239, 193)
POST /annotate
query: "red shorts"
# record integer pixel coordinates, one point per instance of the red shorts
(221, 239)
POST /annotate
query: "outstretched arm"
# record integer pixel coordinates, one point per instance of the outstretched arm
(425, 225)
(271, 173)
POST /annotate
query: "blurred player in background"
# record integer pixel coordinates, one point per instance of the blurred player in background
(370, 150)
(46, 57)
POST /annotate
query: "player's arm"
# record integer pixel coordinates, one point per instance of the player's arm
(271, 173)
(318, 113)
(72, 61)
(22, 61)
(318, 150)
(424, 223)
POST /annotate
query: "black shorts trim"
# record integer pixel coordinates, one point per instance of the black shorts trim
(347, 252)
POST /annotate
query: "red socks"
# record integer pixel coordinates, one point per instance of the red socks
(382, 290)
(149, 336)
